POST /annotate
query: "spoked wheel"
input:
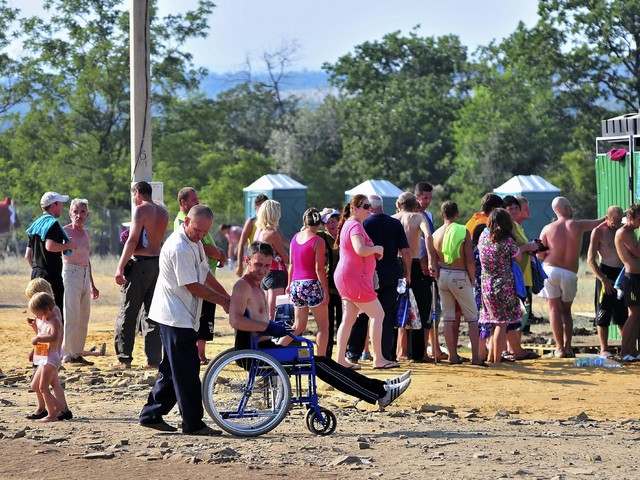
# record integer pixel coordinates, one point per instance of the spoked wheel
(246, 392)
(314, 423)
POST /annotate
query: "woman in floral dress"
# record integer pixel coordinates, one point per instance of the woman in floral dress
(500, 305)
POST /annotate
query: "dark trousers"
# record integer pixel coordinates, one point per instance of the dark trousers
(57, 285)
(421, 286)
(335, 318)
(387, 295)
(341, 378)
(134, 294)
(179, 380)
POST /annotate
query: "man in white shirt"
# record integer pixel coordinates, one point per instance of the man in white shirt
(184, 280)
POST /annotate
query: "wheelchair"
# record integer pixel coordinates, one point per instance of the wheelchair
(249, 392)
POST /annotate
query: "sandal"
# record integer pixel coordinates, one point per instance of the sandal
(37, 415)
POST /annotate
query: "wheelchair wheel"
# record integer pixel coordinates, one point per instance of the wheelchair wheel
(246, 392)
(314, 424)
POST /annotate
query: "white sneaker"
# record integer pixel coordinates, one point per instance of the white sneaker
(399, 379)
(393, 392)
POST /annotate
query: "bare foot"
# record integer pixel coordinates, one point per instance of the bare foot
(48, 419)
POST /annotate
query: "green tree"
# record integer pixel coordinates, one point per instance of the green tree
(308, 150)
(401, 96)
(602, 54)
(75, 136)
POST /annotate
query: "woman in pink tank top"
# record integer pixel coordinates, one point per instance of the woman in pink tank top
(354, 280)
(308, 287)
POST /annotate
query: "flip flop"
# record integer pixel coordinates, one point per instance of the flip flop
(528, 356)
(387, 366)
(351, 366)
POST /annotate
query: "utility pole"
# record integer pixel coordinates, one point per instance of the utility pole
(140, 71)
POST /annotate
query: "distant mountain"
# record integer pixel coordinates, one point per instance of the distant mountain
(306, 84)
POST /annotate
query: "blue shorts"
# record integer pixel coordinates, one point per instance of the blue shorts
(306, 293)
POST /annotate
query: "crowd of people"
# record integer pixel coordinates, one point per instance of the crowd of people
(344, 266)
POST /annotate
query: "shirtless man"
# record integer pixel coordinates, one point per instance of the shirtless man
(452, 243)
(564, 238)
(608, 306)
(79, 287)
(248, 312)
(628, 249)
(416, 228)
(140, 258)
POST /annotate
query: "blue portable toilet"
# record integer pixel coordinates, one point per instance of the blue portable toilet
(384, 188)
(292, 196)
(540, 194)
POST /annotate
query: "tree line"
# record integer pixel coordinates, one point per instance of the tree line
(409, 108)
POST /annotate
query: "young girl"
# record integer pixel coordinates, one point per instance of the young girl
(308, 286)
(40, 285)
(267, 223)
(48, 329)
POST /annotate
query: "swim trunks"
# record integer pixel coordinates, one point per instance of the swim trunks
(631, 288)
(560, 283)
(608, 307)
(274, 279)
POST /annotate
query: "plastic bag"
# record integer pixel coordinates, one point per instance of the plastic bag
(407, 316)
(518, 278)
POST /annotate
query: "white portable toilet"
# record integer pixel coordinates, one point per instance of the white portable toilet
(540, 194)
(384, 188)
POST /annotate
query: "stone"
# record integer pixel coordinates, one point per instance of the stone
(98, 456)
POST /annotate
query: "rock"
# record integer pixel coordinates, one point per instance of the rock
(228, 452)
(99, 456)
(581, 417)
(594, 457)
(426, 408)
(480, 455)
(349, 460)
(522, 471)
(148, 380)
(364, 445)
(20, 433)
(502, 413)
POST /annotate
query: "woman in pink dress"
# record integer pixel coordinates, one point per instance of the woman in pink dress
(354, 280)
(308, 287)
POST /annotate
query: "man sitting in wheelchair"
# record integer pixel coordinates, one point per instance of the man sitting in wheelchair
(248, 312)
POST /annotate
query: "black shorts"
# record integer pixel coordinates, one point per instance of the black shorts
(207, 320)
(631, 288)
(608, 307)
(274, 279)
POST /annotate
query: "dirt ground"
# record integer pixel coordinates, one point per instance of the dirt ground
(543, 418)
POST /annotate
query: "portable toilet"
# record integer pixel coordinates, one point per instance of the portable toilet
(385, 189)
(539, 193)
(617, 162)
(291, 194)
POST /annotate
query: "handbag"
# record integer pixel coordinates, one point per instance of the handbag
(518, 278)
(538, 275)
(407, 316)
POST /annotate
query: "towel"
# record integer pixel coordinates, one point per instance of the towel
(453, 238)
(41, 227)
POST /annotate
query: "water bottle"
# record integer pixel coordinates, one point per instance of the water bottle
(595, 361)
(402, 286)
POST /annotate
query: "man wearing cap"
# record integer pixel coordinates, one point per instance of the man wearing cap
(47, 240)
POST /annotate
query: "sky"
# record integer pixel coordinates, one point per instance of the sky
(324, 30)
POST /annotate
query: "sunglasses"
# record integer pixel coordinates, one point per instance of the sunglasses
(366, 206)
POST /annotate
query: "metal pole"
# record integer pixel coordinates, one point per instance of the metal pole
(139, 52)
